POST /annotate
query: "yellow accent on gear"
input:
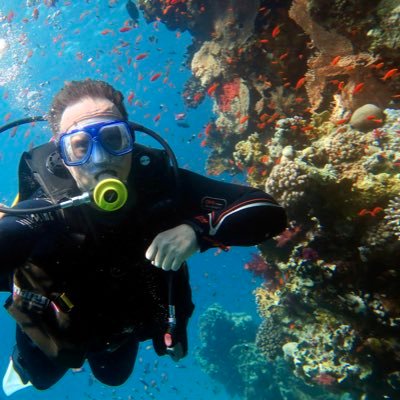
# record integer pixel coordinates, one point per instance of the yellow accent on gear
(16, 200)
(108, 188)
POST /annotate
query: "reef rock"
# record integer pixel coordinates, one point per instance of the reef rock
(367, 118)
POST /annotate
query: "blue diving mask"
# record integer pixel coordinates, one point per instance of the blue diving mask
(76, 147)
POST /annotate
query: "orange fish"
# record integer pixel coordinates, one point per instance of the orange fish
(263, 41)
(166, 10)
(243, 119)
(84, 14)
(300, 83)
(373, 213)
(125, 29)
(141, 56)
(378, 66)
(341, 121)
(208, 128)
(376, 210)
(363, 212)
(273, 117)
(130, 97)
(14, 131)
(335, 60)
(276, 31)
(358, 87)
(283, 56)
(212, 88)
(197, 97)
(7, 117)
(155, 77)
(106, 31)
(10, 16)
(389, 74)
(341, 85)
(157, 118)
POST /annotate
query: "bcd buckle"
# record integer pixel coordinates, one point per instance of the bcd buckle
(63, 303)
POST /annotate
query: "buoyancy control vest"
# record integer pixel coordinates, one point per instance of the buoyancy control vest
(44, 310)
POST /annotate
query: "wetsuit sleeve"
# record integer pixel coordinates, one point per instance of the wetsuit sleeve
(225, 214)
(19, 234)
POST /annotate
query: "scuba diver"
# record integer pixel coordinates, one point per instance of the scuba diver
(94, 251)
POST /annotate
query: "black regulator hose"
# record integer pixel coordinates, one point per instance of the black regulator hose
(74, 201)
(21, 122)
(36, 210)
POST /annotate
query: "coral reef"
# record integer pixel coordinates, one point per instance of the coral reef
(306, 100)
(392, 215)
(229, 354)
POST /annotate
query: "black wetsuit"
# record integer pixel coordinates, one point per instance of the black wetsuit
(98, 258)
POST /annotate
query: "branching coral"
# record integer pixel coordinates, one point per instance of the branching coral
(269, 339)
(287, 182)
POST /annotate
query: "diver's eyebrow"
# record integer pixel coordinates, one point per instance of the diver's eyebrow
(108, 114)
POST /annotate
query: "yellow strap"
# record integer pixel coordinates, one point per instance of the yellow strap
(16, 200)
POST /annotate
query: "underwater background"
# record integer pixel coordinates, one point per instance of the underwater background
(297, 97)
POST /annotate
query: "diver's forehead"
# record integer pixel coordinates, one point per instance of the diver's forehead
(86, 111)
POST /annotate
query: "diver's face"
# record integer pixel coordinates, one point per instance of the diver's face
(83, 113)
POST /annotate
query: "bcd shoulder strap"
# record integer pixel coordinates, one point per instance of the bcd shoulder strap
(42, 168)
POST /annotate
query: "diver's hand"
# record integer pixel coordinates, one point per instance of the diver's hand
(171, 248)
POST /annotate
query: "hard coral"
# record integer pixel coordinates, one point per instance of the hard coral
(269, 339)
(392, 216)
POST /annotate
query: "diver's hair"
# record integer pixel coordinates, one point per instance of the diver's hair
(75, 91)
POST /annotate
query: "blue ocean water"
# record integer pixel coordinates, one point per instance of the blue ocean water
(39, 51)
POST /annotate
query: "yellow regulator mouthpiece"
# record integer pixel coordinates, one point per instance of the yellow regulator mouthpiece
(110, 194)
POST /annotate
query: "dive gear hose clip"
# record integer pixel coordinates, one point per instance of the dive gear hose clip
(76, 201)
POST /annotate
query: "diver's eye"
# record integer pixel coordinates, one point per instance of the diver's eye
(80, 145)
(115, 138)
(112, 141)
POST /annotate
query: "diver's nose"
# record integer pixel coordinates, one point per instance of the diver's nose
(99, 154)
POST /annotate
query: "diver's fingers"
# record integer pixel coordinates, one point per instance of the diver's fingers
(160, 256)
(177, 263)
(151, 251)
(168, 261)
